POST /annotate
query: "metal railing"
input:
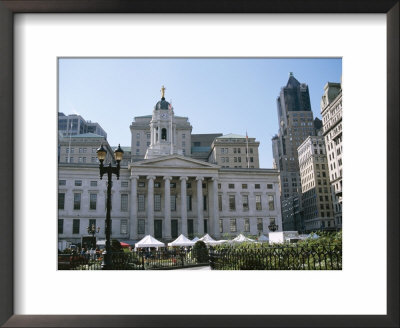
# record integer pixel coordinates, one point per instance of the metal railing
(284, 257)
(142, 260)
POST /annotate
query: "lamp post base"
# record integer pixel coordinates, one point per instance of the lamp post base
(107, 262)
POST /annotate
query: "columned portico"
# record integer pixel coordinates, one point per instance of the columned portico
(150, 205)
(200, 217)
(133, 214)
(215, 210)
(167, 207)
(183, 205)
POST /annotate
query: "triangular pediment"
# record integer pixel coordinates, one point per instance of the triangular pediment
(174, 161)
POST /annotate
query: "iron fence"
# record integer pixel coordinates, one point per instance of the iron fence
(141, 260)
(284, 257)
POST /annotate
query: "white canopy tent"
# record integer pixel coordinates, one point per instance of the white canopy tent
(263, 238)
(195, 239)
(241, 238)
(208, 240)
(181, 241)
(149, 241)
(101, 242)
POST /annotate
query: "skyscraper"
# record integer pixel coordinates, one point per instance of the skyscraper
(296, 123)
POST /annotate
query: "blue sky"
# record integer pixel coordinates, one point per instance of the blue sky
(217, 95)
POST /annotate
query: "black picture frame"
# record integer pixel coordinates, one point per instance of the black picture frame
(9, 7)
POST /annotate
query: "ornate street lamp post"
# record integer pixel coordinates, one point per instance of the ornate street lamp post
(273, 227)
(109, 170)
(92, 230)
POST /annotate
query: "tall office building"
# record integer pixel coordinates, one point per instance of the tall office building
(296, 123)
(316, 193)
(73, 124)
(331, 110)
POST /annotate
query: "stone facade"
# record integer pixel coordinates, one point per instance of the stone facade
(230, 151)
(331, 110)
(316, 192)
(164, 192)
(82, 148)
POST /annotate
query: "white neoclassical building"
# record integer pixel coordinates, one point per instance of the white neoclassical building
(168, 192)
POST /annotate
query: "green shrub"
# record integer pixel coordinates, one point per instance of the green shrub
(200, 251)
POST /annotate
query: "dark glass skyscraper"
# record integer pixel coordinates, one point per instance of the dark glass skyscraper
(296, 123)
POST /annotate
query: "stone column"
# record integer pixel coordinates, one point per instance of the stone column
(183, 206)
(200, 216)
(150, 205)
(133, 213)
(167, 208)
(215, 209)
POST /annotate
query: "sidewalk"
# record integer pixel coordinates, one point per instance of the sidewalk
(196, 268)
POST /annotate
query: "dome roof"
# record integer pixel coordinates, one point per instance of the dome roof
(162, 104)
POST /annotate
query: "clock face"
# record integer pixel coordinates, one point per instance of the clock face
(164, 115)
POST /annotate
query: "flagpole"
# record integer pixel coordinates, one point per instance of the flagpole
(69, 146)
(247, 150)
(172, 139)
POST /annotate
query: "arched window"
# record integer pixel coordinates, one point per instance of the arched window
(164, 134)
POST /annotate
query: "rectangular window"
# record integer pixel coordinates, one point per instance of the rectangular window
(78, 183)
(231, 186)
(75, 226)
(269, 186)
(172, 185)
(124, 226)
(188, 185)
(141, 203)
(62, 182)
(232, 226)
(124, 184)
(245, 202)
(256, 186)
(124, 202)
(157, 185)
(271, 203)
(141, 184)
(157, 202)
(244, 186)
(204, 203)
(258, 203)
(93, 183)
(173, 202)
(260, 224)
(77, 201)
(232, 203)
(93, 201)
(189, 202)
(61, 226)
(221, 226)
(61, 200)
(141, 229)
(247, 225)
(220, 202)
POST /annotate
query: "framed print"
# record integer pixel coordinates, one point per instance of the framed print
(35, 35)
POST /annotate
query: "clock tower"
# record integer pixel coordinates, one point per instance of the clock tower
(162, 130)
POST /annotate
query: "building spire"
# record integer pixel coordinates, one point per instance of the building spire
(163, 91)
